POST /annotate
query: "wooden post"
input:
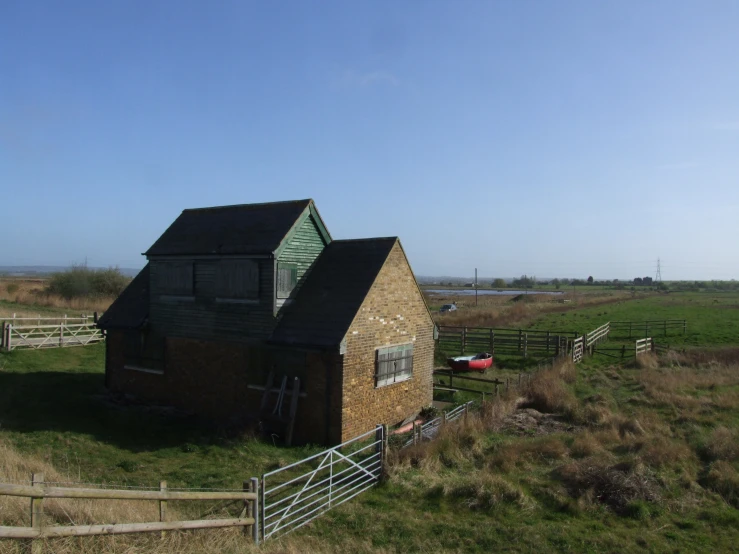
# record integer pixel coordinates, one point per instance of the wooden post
(61, 334)
(9, 336)
(464, 339)
(413, 430)
(525, 344)
(248, 510)
(381, 440)
(163, 506)
(483, 397)
(37, 511)
(547, 342)
(255, 509)
(623, 351)
(685, 325)
(2, 335)
(519, 339)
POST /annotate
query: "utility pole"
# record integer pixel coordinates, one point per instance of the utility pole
(475, 286)
(659, 272)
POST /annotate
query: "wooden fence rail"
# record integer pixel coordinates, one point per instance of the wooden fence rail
(643, 346)
(38, 491)
(49, 336)
(518, 341)
(38, 320)
(649, 327)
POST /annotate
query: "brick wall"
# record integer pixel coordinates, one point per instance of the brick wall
(211, 379)
(393, 313)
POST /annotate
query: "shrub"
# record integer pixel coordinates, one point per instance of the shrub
(81, 281)
(12, 288)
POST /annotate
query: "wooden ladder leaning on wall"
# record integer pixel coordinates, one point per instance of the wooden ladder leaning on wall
(275, 415)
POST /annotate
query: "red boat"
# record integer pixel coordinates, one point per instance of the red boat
(480, 362)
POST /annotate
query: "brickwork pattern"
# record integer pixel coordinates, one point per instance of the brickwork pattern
(211, 378)
(393, 313)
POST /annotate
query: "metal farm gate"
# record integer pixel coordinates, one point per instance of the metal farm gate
(298, 493)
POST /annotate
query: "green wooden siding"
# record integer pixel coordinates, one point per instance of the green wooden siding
(205, 318)
(302, 250)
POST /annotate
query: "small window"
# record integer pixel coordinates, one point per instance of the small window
(393, 364)
(173, 278)
(144, 350)
(237, 279)
(287, 278)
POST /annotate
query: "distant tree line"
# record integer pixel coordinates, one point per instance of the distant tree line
(81, 281)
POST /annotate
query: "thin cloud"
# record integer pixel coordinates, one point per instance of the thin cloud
(372, 78)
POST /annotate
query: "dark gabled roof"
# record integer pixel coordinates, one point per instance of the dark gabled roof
(131, 308)
(240, 229)
(333, 292)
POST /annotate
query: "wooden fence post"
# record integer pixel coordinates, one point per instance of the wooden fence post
(464, 340)
(492, 341)
(9, 337)
(37, 511)
(685, 325)
(525, 344)
(2, 335)
(163, 506)
(547, 343)
(255, 509)
(519, 339)
(413, 430)
(61, 334)
(623, 351)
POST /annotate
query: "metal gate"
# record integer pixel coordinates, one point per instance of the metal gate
(298, 493)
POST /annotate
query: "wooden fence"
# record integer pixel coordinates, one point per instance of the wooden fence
(506, 341)
(643, 346)
(38, 491)
(444, 375)
(66, 332)
(578, 349)
(649, 328)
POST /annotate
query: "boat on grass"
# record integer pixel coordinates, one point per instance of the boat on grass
(478, 362)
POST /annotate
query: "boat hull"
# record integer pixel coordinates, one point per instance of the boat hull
(480, 363)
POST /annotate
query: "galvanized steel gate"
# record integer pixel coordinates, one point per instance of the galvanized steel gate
(298, 493)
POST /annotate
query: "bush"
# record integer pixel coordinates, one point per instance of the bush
(81, 281)
(12, 288)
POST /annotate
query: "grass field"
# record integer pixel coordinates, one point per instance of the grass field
(602, 457)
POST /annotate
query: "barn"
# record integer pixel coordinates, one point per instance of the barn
(253, 313)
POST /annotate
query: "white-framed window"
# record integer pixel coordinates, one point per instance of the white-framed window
(393, 364)
(287, 278)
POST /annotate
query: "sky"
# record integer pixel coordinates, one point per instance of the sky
(549, 138)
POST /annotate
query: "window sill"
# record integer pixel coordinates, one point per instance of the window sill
(143, 369)
(237, 301)
(396, 382)
(175, 298)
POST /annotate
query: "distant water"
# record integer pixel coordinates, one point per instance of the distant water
(490, 292)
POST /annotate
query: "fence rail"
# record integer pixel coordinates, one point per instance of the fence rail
(578, 349)
(643, 346)
(38, 491)
(49, 336)
(518, 341)
(649, 327)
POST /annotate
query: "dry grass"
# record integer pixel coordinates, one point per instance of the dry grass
(723, 444)
(501, 312)
(32, 293)
(724, 479)
(548, 393)
(616, 485)
(14, 511)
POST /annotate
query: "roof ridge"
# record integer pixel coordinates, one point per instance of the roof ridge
(254, 204)
(367, 239)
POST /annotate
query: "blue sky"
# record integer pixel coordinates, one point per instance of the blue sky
(566, 138)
